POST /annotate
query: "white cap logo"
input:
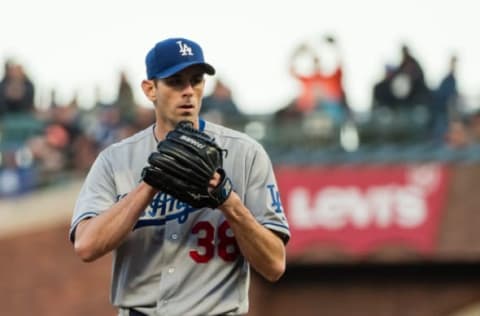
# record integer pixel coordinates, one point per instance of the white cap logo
(184, 49)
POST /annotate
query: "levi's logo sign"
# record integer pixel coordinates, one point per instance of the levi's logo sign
(364, 209)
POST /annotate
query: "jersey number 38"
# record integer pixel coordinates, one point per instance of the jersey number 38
(226, 247)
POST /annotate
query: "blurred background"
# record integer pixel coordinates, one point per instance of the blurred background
(370, 112)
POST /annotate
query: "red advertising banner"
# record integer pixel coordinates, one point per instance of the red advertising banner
(357, 209)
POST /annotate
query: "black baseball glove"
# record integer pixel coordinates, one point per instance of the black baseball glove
(185, 163)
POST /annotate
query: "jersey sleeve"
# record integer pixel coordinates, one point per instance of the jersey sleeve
(262, 196)
(97, 194)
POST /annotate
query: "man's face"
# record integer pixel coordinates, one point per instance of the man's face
(179, 97)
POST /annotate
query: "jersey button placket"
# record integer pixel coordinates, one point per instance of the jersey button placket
(167, 284)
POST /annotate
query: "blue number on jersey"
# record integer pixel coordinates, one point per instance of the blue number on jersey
(276, 202)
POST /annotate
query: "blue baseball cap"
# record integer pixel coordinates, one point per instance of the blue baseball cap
(172, 55)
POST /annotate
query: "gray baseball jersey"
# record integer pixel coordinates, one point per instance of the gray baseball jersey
(179, 260)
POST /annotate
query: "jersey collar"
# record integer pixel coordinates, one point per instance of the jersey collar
(201, 124)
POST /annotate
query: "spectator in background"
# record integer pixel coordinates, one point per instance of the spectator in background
(457, 135)
(445, 102)
(401, 101)
(15, 178)
(219, 107)
(320, 91)
(64, 128)
(403, 86)
(63, 146)
(118, 119)
(144, 117)
(383, 95)
(48, 155)
(125, 101)
(474, 127)
(408, 82)
(108, 126)
(53, 99)
(16, 90)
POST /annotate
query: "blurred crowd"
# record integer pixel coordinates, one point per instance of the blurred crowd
(403, 109)
(43, 144)
(40, 145)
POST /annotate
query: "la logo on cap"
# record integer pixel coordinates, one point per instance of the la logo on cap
(185, 50)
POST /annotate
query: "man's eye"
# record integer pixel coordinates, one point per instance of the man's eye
(174, 82)
(196, 80)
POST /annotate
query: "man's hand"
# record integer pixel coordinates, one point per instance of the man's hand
(189, 166)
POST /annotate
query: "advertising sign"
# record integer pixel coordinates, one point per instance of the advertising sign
(358, 209)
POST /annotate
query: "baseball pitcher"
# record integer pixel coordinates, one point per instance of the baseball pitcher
(187, 206)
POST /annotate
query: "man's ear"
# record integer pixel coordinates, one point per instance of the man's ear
(149, 88)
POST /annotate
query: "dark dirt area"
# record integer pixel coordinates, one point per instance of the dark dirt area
(40, 275)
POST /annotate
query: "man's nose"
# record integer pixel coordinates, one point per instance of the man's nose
(188, 88)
